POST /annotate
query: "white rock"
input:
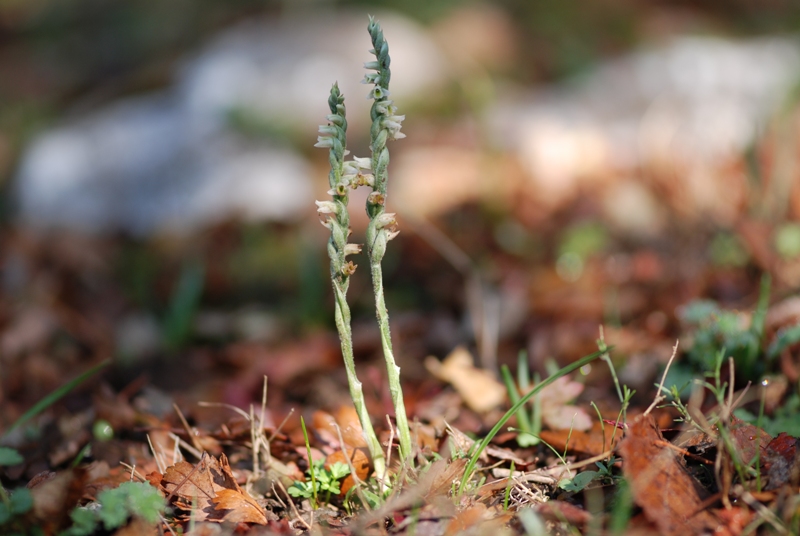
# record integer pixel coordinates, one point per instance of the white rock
(173, 161)
(686, 106)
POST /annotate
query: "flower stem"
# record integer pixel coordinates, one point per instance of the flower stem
(382, 226)
(334, 137)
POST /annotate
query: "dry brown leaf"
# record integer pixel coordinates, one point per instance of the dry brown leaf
(782, 462)
(211, 487)
(465, 519)
(562, 511)
(54, 497)
(187, 481)
(750, 440)
(239, 507)
(660, 484)
(480, 391)
(347, 420)
(360, 460)
(440, 477)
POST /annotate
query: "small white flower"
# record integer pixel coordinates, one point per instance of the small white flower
(373, 65)
(393, 122)
(386, 219)
(372, 78)
(327, 207)
(327, 130)
(335, 119)
(349, 171)
(378, 93)
(386, 107)
(391, 234)
(363, 163)
(352, 249)
(325, 142)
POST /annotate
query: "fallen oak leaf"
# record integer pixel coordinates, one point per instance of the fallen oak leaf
(187, 481)
(197, 488)
(661, 485)
(238, 507)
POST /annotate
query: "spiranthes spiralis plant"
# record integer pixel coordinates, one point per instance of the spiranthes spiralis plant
(371, 172)
(342, 176)
(383, 225)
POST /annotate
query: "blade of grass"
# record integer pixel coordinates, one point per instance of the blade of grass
(55, 396)
(310, 465)
(513, 395)
(478, 448)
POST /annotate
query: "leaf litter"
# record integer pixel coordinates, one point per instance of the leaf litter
(232, 469)
(680, 478)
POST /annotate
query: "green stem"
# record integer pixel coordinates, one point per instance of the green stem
(334, 136)
(392, 370)
(342, 315)
(385, 126)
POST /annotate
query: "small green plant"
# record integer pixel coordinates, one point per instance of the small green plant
(54, 397)
(584, 478)
(480, 446)
(117, 506)
(183, 305)
(13, 507)
(326, 480)
(342, 177)
(530, 424)
(715, 329)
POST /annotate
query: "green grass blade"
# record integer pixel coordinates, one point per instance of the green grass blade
(513, 395)
(478, 448)
(310, 465)
(55, 396)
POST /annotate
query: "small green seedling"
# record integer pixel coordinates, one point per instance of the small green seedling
(326, 480)
(480, 446)
(130, 499)
(716, 329)
(584, 478)
(530, 424)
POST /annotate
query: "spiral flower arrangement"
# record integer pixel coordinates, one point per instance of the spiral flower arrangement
(382, 228)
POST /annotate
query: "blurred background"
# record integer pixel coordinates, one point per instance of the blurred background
(567, 165)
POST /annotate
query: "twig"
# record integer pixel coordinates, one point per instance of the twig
(188, 428)
(660, 397)
(293, 507)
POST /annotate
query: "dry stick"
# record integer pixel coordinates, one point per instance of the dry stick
(280, 426)
(357, 482)
(188, 428)
(659, 397)
(180, 442)
(391, 440)
(294, 508)
(159, 462)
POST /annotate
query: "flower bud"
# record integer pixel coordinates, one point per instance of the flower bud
(327, 207)
(325, 142)
(386, 219)
(352, 249)
(349, 269)
(376, 198)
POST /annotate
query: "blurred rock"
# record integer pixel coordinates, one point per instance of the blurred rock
(681, 111)
(175, 160)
